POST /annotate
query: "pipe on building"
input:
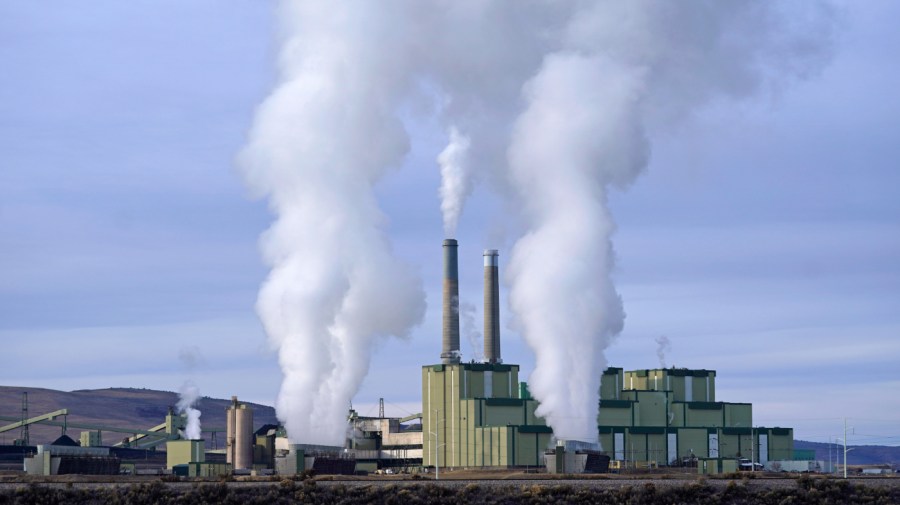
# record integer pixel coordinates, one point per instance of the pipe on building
(492, 306)
(450, 334)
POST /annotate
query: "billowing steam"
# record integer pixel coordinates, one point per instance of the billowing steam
(622, 69)
(188, 396)
(553, 102)
(456, 182)
(560, 269)
(319, 144)
(662, 347)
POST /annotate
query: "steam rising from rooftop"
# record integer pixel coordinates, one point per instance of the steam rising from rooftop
(188, 396)
(662, 347)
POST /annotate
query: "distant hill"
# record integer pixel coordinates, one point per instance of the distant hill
(115, 407)
(860, 455)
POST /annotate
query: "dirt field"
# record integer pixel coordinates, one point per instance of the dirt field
(15, 480)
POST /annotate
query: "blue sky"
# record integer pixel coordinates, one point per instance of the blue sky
(763, 241)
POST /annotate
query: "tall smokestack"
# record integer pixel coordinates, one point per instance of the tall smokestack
(492, 306)
(450, 350)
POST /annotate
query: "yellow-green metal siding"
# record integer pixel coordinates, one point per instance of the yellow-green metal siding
(693, 441)
(677, 414)
(615, 416)
(739, 415)
(651, 409)
(473, 430)
(502, 416)
(698, 417)
(781, 445)
(611, 384)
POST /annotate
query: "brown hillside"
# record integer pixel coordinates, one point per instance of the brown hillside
(114, 407)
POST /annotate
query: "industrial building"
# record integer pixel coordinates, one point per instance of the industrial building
(65, 456)
(670, 416)
(187, 458)
(245, 451)
(477, 414)
(320, 459)
(474, 416)
(386, 443)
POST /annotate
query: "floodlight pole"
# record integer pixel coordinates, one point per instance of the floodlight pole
(437, 445)
(752, 451)
(845, 447)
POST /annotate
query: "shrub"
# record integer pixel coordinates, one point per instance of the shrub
(807, 491)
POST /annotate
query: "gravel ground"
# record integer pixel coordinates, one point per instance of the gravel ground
(611, 483)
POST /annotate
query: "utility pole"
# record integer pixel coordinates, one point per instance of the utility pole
(830, 450)
(437, 445)
(752, 452)
(845, 447)
(437, 454)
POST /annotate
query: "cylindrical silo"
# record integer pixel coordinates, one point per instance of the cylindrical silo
(239, 433)
(492, 306)
(450, 334)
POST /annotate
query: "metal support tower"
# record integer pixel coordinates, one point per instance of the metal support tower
(25, 436)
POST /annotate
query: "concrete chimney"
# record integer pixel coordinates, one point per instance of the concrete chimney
(450, 349)
(492, 306)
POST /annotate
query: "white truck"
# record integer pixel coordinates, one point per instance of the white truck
(745, 465)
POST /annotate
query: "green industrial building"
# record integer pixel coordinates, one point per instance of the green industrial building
(670, 416)
(479, 415)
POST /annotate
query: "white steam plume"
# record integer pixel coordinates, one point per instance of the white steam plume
(553, 102)
(560, 270)
(662, 347)
(622, 69)
(188, 396)
(319, 144)
(456, 182)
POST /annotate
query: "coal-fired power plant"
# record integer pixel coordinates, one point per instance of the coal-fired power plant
(475, 414)
(491, 306)
(450, 333)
